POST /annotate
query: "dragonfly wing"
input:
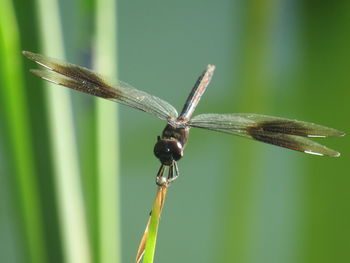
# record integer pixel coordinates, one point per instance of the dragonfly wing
(273, 130)
(293, 142)
(85, 80)
(238, 121)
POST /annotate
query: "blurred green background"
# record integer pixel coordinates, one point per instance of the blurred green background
(236, 200)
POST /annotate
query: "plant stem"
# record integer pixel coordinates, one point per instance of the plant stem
(107, 138)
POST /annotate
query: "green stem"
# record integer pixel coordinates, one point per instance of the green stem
(107, 138)
(153, 225)
(67, 180)
(13, 95)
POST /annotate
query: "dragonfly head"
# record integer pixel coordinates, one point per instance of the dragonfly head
(168, 150)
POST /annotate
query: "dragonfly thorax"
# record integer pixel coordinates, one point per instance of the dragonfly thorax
(168, 150)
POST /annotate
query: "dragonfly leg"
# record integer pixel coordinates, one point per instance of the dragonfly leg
(171, 176)
(160, 180)
(176, 169)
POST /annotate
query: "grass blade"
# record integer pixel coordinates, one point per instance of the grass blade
(107, 138)
(149, 239)
(67, 179)
(14, 103)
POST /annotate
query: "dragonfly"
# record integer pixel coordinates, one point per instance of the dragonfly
(169, 147)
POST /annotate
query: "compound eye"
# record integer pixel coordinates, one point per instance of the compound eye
(177, 152)
(162, 151)
(168, 151)
(176, 156)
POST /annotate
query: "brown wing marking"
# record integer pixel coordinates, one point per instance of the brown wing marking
(73, 76)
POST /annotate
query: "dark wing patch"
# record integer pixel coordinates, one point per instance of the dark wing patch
(67, 69)
(299, 128)
(273, 130)
(76, 84)
(292, 142)
(87, 81)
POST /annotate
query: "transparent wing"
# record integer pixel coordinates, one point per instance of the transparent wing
(273, 130)
(85, 80)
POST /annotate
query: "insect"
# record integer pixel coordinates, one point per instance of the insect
(287, 133)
